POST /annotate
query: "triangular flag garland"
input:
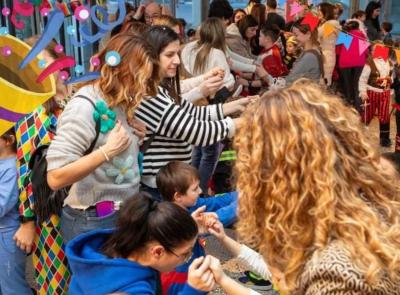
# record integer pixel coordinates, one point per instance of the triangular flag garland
(311, 20)
(397, 51)
(295, 8)
(344, 39)
(381, 51)
(362, 46)
(328, 29)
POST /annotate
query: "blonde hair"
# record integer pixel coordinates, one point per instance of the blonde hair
(307, 175)
(135, 77)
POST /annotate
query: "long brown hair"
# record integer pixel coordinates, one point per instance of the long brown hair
(212, 35)
(135, 77)
(310, 178)
(258, 12)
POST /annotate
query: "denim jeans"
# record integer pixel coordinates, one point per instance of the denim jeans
(205, 160)
(12, 266)
(75, 222)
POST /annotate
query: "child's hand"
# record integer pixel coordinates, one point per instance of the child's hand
(217, 229)
(204, 219)
(364, 97)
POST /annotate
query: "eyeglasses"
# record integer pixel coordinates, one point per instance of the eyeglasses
(186, 256)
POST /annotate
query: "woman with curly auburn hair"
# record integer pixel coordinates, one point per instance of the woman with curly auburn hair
(95, 151)
(313, 197)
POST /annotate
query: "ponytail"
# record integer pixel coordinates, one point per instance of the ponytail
(143, 220)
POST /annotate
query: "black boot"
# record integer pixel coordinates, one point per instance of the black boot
(384, 135)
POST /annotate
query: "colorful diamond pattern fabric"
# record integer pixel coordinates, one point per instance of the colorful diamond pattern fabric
(51, 268)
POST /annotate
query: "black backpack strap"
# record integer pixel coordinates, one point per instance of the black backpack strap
(91, 147)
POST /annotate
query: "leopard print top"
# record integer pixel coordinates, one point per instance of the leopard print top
(332, 272)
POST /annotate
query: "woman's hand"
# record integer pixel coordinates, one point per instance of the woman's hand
(200, 276)
(139, 12)
(364, 97)
(217, 230)
(211, 85)
(118, 140)
(217, 71)
(139, 128)
(237, 106)
(216, 268)
(25, 236)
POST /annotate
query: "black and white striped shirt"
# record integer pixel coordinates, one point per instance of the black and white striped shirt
(177, 127)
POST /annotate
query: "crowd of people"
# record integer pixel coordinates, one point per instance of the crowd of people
(249, 121)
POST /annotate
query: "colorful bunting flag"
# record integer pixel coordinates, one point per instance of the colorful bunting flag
(344, 39)
(311, 20)
(362, 46)
(328, 29)
(397, 51)
(295, 8)
(381, 51)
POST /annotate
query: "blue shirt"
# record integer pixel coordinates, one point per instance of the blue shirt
(8, 194)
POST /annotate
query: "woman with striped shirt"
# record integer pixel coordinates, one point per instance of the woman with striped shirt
(174, 124)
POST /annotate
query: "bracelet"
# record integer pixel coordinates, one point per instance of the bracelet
(104, 153)
(25, 219)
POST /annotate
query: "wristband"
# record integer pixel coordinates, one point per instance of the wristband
(104, 153)
(25, 219)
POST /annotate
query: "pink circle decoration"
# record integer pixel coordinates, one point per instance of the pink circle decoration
(6, 51)
(95, 61)
(82, 13)
(44, 11)
(5, 11)
(58, 48)
(63, 75)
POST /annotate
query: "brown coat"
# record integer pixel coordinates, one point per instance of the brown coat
(236, 43)
(331, 271)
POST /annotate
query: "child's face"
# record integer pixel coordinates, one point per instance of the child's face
(290, 48)
(189, 199)
(6, 144)
(264, 41)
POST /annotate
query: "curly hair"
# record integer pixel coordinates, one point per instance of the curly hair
(135, 77)
(308, 175)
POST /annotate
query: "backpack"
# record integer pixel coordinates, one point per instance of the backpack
(49, 202)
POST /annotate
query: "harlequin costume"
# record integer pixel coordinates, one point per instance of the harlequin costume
(51, 271)
(375, 81)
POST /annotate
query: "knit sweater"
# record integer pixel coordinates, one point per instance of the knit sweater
(306, 66)
(216, 58)
(75, 132)
(177, 127)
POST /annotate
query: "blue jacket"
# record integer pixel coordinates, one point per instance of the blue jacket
(225, 206)
(8, 194)
(94, 273)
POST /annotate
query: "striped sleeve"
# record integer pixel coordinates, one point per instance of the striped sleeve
(162, 116)
(212, 112)
(178, 124)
